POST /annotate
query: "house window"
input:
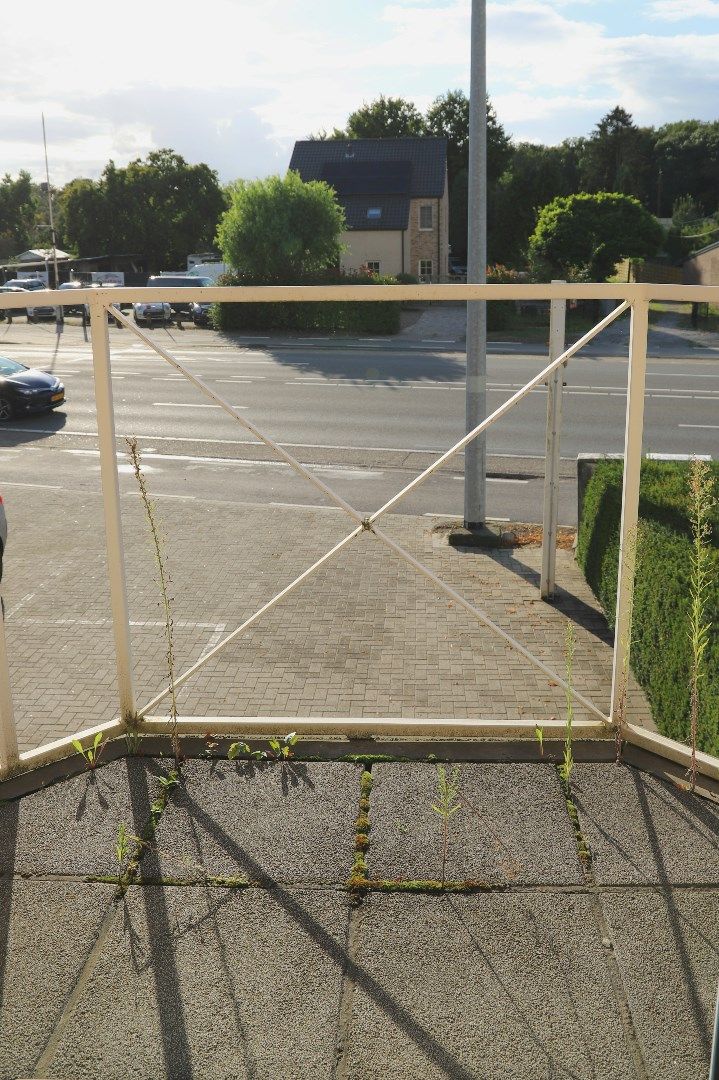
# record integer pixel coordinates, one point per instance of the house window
(425, 269)
(425, 216)
(372, 267)
(374, 213)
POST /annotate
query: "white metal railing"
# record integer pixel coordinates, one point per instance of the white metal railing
(634, 297)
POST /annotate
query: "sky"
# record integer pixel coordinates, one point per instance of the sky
(235, 82)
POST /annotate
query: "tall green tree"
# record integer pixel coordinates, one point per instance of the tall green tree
(160, 207)
(278, 230)
(583, 237)
(535, 175)
(19, 211)
(618, 156)
(385, 118)
(687, 163)
(448, 117)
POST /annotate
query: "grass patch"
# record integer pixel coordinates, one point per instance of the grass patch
(429, 885)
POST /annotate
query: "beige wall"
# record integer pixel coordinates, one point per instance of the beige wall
(703, 269)
(373, 245)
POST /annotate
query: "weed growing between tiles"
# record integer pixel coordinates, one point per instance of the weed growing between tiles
(164, 581)
(446, 807)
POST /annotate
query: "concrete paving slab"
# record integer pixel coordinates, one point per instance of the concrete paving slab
(292, 821)
(70, 827)
(667, 946)
(47, 929)
(641, 829)
(482, 986)
(213, 984)
(512, 825)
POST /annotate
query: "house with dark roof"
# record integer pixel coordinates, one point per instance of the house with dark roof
(394, 194)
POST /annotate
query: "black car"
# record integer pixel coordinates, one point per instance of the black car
(26, 390)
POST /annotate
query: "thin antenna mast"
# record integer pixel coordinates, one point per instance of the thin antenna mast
(49, 205)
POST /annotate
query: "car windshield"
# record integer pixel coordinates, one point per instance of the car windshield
(30, 283)
(10, 367)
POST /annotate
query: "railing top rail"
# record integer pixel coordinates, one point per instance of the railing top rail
(628, 291)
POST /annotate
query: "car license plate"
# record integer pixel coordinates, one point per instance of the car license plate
(57, 397)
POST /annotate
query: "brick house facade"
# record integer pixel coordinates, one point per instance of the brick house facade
(394, 194)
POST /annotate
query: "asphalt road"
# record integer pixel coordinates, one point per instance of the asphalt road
(367, 418)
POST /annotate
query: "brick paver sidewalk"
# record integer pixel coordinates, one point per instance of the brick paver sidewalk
(365, 636)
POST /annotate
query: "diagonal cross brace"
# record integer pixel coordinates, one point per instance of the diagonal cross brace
(367, 523)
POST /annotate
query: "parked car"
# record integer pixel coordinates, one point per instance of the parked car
(457, 268)
(26, 390)
(12, 311)
(154, 312)
(40, 311)
(200, 311)
(74, 309)
(178, 281)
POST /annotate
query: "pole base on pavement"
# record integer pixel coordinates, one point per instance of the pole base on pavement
(476, 535)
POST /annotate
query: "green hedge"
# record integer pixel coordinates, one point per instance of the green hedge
(329, 316)
(660, 635)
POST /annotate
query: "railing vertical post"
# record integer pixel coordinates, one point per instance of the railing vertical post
(8, 734)
(557, 324)
(630, 503)
(111, 506)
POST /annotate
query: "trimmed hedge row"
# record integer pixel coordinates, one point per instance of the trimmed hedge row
(660, 652)
(329, 316)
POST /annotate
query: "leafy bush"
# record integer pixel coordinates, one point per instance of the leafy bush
(660, 651)
(329, 316)
(500, 312)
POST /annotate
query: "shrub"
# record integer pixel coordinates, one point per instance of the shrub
(660, 652)
(329, 316)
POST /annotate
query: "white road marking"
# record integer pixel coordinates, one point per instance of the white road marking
(159, 495)
(17, 483)
(712, 427)
(184, 405)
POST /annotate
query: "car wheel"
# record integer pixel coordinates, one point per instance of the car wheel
(5, 410)
(139, 321)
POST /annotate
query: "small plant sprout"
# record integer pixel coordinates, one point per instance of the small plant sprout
(702, 501)
(565, 769)
(539, 736)
(92, 753)
(122, 849)
(169, 782)
(446, 806)
(281, 749)
(164, 581)
(244, 750)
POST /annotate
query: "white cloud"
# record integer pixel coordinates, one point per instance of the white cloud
(236, 82)
(674, 10)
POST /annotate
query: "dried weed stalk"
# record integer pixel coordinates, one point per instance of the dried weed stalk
(164, 581)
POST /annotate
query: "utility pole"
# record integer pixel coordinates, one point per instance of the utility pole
(475, 458)
(49, 205)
